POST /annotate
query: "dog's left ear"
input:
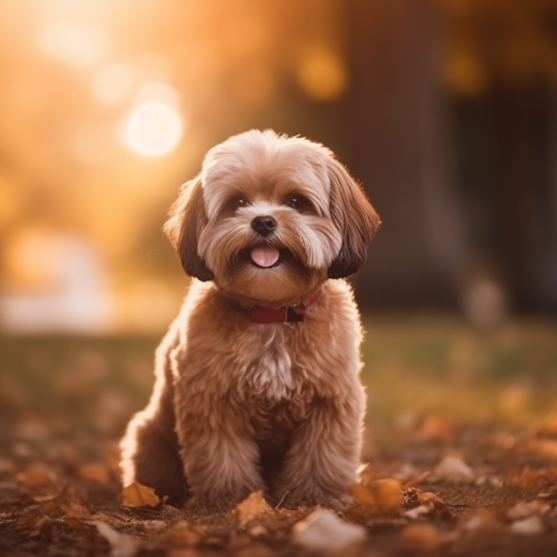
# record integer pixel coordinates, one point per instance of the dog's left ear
(354, 216)
(186, 220)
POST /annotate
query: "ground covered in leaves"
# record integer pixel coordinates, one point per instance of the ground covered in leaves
(461, 452)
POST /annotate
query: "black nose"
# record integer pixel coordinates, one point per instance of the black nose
(264, 225)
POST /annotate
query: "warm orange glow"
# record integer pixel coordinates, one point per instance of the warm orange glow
(154, 129)
(322, 75)
(158, 92)
(113, 84)
(76, 44)
(30, 260)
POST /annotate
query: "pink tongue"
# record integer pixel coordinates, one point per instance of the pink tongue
(264, 256)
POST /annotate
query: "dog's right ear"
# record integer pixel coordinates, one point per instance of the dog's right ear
(186, 220)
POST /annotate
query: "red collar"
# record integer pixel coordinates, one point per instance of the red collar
(285, 314)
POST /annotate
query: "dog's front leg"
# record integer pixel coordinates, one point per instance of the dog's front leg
(221, 459)
(325, 454)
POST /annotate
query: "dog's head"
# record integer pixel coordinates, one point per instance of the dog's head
(270, 217)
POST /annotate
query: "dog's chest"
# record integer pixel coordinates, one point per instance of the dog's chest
(266, 366)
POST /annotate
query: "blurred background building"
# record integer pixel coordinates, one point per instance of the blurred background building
(446, 110)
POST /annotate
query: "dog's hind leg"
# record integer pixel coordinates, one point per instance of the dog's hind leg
(149, 449)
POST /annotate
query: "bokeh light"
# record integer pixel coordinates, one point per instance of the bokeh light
(77, 44)
(322, 75)
(113, 84)
(154, 129)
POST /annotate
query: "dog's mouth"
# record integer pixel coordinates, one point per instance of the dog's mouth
(264, 256)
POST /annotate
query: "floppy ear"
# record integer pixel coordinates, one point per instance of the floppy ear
(354, 216)
(186, 219)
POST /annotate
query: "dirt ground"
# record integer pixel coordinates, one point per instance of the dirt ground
(460, 452)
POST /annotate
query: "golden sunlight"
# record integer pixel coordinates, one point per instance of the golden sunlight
(79, 45)
(154, 129)
(113, 83)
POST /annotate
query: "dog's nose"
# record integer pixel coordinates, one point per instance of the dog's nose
(264, 225)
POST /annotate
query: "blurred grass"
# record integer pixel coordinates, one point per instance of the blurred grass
(414, 366)
(428, 364)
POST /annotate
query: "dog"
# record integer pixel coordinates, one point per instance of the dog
(257, 383)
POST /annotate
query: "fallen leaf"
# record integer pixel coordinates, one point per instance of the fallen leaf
(121, 545)
(184, 534)
(73, 510)
(324, 531)
(440, 429)
(525, 509)
(137, 495)
(479, 520)
(529, 478)
(418, 502)
(546, 448)
(453, 469)
(36, 475)
(528, 526)
(253, 507)
(381, 497)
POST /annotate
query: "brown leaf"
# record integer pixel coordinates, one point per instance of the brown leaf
(184, 534)
(532, 478)
(137, 495)
(525, 509)
(545, 448)
(382, 497)
(73, 510)
(253, 507)
(35, 475)
(439, 429)
(419, 502)
(528, 526)
(479, 520)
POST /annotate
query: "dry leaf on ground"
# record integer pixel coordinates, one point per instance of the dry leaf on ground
(184, 534)
(452, 468)
(479, 520)
(524, 509)
(121, 545)
(419, 503)
(253, 507)
(382, 497)
(137, 495)
(324, 531)
(528, 526)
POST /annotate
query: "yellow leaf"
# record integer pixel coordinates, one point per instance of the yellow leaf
(253, 507)
(137, 495)
(380, 497)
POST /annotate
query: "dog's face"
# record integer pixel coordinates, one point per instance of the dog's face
(270, 218)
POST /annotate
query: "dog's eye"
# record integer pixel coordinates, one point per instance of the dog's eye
(237, 203)
(298, 202)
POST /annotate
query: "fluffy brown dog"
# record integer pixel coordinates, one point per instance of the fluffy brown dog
(257, 379)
